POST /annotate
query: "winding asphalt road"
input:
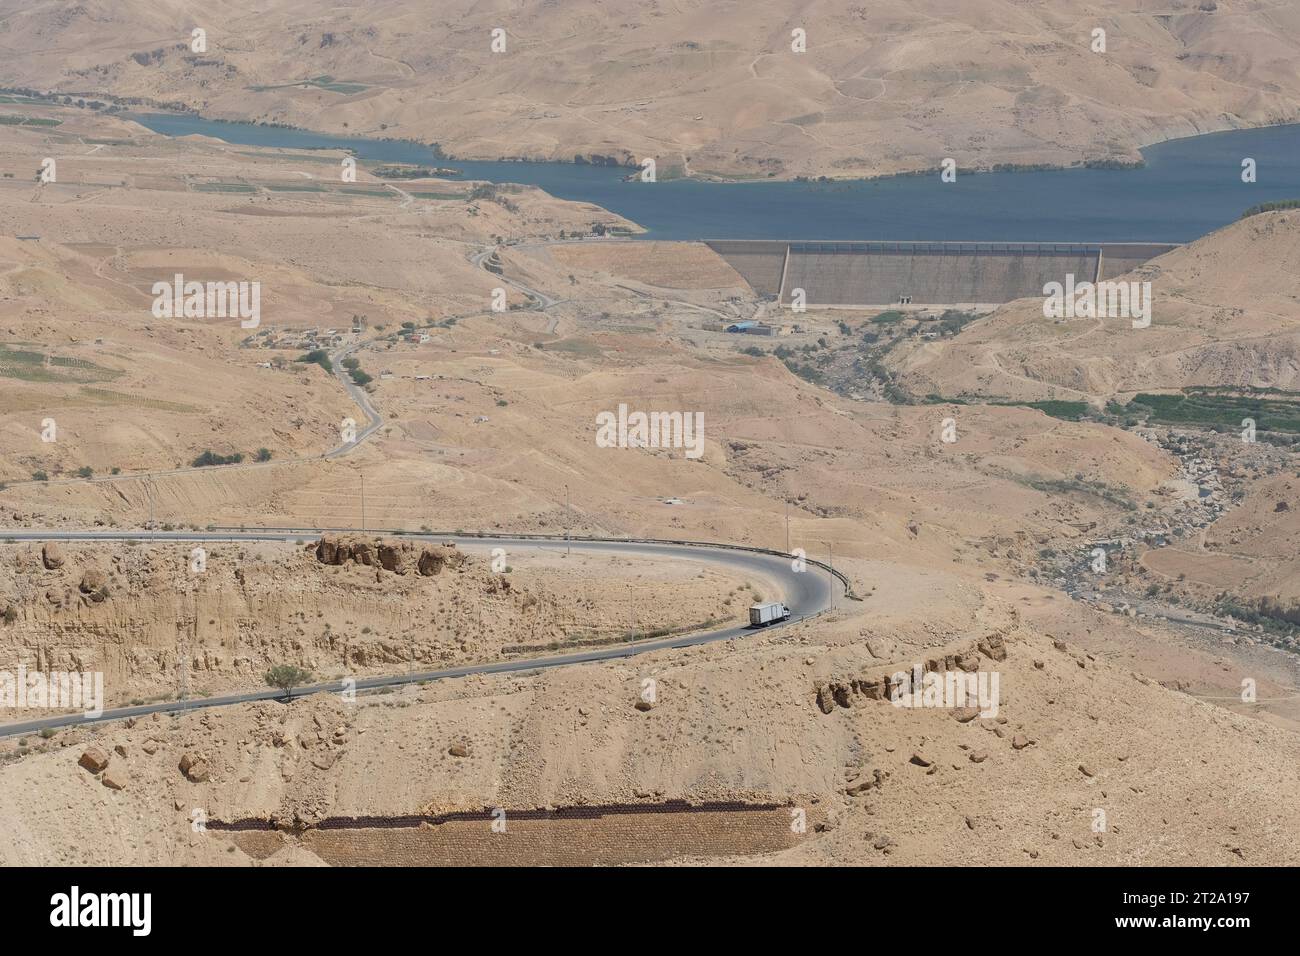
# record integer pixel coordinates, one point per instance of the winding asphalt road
(358, 394)
(806, 593)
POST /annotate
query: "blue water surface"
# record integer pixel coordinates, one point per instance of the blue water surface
(1187, 188)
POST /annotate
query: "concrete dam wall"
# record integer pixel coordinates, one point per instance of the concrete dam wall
(920, 274)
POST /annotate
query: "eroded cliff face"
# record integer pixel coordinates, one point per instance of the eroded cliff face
(153, 618)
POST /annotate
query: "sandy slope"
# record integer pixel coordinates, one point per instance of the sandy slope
(712, 87)
(1178, 781)
(1225, 311)
(490, 424)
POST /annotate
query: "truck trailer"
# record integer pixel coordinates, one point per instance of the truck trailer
(760, 615)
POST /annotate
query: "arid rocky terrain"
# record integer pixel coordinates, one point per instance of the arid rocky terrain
(973, 553)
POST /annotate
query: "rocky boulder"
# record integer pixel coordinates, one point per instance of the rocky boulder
(114, 778)
(51, 556)
(94, 585)
(868, 779)
(433, 558)
(327, 551)
(194, 767)
(392, 558)
(94, 760)
(993, 647)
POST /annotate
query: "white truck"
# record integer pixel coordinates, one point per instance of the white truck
(761, 615)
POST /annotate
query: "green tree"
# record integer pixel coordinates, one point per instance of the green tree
(286, 677)
(318, 357)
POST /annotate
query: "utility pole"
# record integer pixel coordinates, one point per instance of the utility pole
(183, 659)
(363, 501)
(831, 550)
(568, 520)
(787, 526)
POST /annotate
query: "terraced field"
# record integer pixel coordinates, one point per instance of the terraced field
(32, 366)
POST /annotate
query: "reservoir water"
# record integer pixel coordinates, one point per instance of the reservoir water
(1187, 188)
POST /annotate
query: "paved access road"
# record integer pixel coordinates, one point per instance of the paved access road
(805, 592)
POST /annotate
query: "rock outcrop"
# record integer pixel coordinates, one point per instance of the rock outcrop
(398, 557)
(829, 694)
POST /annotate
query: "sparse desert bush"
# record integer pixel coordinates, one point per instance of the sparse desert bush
(286, 677)
(210, 457)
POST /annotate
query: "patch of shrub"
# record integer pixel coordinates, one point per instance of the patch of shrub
(210, 457)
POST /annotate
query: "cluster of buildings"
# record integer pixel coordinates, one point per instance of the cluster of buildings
(304, 339)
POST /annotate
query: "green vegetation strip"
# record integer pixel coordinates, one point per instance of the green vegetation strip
(1066, 411)
(1271, 207)
(1217, 408)
(31, 366)
(324, 82)
(9, 120)
(1269, 613)
(224, 188)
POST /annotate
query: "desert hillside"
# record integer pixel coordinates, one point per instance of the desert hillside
(709, 88)
(1085, 763)
(965, 523)
(155, 625)
(1225, 312)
